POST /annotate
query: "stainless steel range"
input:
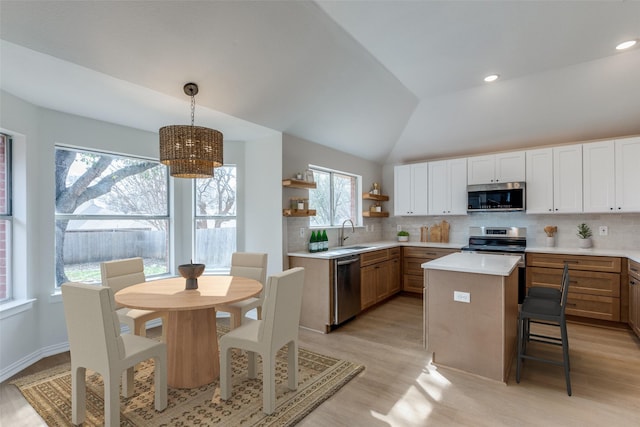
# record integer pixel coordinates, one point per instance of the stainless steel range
(501, 241)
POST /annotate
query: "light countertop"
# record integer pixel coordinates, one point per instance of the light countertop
(340, 251)
(465, 262)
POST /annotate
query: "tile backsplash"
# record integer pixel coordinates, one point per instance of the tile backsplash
(623, 229)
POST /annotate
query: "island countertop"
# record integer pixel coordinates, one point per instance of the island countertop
(466, 262)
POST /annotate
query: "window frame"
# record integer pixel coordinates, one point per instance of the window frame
(199, 217)
(168, 216)
(7, 215)
(358, 221)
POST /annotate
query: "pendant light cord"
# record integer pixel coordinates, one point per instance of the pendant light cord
(193, 108)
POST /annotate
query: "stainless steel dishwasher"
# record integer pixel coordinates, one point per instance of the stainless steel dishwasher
(346, 288)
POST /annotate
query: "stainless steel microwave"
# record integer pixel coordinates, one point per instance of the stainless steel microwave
(504, 196)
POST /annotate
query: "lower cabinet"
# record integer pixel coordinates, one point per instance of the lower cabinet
(634, 296)
(594, 283)
(412, 260)
(379, 276)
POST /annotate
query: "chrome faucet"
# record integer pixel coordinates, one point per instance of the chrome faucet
(353, 230)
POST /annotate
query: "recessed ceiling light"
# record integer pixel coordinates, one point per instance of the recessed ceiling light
(626, 45)
(491, 78)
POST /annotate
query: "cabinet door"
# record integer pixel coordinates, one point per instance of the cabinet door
(394, 276)
(539, 187)
(567, 179)
(439, 193)
(368, 278)
(481, 169)
(510, 167)
(402, 186)
(458, 186)
(627, 153)
(599, 176)
(419, 178)
(382, 272)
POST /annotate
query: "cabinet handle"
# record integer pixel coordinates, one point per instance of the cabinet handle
(572, 261)
(631, 282)
(619, 208)
(556, 209)
(550, 210)
(572, 304)
(635, 270)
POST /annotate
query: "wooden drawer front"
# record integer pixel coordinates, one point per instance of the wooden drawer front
(368, 258)
(580, 282)
(412, 266)
(634, 269)
(412, 283)
(576, 262)
(431, 253)
(394, 252)
(595, 307)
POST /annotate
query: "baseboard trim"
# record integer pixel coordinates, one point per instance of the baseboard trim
(32, 358)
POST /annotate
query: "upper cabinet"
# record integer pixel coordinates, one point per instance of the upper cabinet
(502, 167)
(410, 196)
(448, 187)
(611, 176)
(554, 179)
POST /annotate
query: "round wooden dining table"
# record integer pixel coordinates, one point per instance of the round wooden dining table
(192, 338)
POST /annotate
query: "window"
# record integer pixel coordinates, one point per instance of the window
(6, 220)
(215, 219)
(109, 207)
(335, 198)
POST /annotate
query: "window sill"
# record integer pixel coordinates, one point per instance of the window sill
(15, 307)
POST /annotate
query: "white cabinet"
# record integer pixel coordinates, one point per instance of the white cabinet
(627, 166)
(448, 187)
(410, 195)
(598, 172)
(567, 179)
(612, 175)
(539, 182)
(554, 180)
(503, 167)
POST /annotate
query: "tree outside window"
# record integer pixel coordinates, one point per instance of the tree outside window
(215, 219)
(335, 198)
(109, 207)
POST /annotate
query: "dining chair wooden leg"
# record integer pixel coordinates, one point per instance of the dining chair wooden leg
(268, 383)
(235, 320)
(78, 395)
(292, 365)
(225, 373)
(128, 382)
(111, 400)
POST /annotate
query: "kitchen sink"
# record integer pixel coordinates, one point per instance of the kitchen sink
(347, 250)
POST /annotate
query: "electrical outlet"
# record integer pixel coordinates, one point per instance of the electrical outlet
(366, 227)
(302, 232)
(371, 228)
(399, 227)
(603, 230)
(462, 296)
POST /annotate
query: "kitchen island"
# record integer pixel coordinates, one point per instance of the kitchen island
(471, 312)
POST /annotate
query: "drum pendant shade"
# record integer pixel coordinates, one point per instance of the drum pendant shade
(190, 151)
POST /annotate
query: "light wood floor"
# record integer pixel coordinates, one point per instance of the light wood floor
(399, 387)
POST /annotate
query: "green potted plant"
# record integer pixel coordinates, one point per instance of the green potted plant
(403, 236)
(584, 236)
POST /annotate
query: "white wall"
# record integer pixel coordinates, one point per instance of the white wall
(40, 330)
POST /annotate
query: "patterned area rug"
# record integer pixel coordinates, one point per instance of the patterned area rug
(49, 392)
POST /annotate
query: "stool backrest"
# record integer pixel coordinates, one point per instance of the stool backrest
(564, 286)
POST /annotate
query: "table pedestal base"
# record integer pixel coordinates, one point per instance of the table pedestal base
(192, 348)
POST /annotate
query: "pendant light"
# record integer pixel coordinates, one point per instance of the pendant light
(190, 151)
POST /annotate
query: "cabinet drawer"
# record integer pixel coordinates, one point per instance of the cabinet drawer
(576, 262)
(368, 258)
(595, 307)
(580, 282)
(412, 266)
(412, 283)
(431, 253)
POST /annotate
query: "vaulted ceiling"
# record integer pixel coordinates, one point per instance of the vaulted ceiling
(389, 81)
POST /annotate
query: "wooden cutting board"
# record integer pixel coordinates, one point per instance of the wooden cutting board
(444, 232)
(435, 233)
(424, 234)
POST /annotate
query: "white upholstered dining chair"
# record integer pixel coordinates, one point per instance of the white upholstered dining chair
(118, 275)
(277, 328)
(95, 343)
(252, 265)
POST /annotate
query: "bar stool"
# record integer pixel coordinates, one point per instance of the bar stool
(551, 312)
